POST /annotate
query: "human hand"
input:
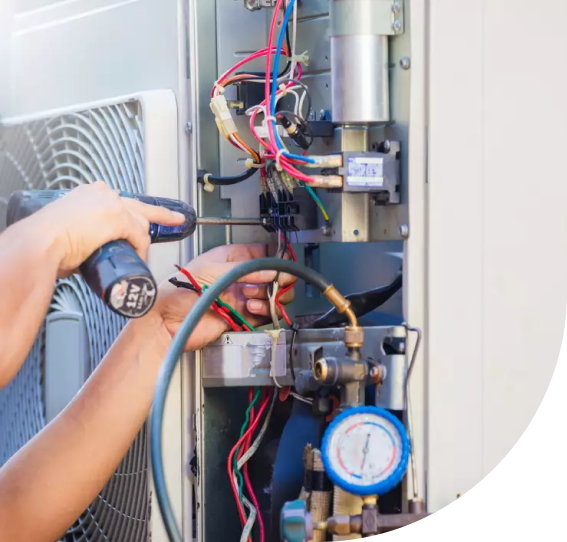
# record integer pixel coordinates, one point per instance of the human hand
(92, 215)
(249, 296)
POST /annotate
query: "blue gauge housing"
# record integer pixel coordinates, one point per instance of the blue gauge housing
(379, 488)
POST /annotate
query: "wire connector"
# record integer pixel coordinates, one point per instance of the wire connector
(326, 161)
(223, 117)
(326, 181)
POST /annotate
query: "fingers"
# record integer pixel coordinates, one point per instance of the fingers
(260, 292)
(153, 213)
(137, 235)
(260, 308)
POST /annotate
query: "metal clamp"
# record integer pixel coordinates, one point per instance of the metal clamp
(371, 17)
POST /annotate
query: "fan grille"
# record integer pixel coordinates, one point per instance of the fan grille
(62, 152)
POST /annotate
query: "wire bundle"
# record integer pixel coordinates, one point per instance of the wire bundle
(276, 85)
(241, 453)
(224, 310)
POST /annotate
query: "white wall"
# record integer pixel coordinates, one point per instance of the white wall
(497, 271)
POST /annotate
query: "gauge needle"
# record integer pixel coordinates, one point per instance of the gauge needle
(365, 451)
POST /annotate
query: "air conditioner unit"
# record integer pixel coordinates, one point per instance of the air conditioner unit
(131, 143)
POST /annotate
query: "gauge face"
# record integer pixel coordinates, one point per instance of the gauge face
(366, 451)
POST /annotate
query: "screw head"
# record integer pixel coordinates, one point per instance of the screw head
(404, 231)
(188, 127)
(396, 7)
(397, 26)
(374, 372)
(405, 63)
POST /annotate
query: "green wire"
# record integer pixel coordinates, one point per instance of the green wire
(237, 315)
(316, 200)
(242, 431)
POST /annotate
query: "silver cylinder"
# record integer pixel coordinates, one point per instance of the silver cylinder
(359, 62)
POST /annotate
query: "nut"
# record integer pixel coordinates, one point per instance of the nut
(339, 524)
(354, 337)
(321, 370)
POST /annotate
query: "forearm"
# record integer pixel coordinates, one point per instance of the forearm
(64, 467)
(29, 263)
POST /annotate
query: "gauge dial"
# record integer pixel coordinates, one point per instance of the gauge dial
(365, 451)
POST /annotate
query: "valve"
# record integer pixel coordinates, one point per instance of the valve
(296, 524)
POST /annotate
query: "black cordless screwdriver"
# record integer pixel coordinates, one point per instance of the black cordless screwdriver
(115, 272)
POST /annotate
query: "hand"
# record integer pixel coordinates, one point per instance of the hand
(249, 296)
(91, 216)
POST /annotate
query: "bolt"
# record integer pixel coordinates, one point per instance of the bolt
(322, 115)
(188, 127)
(326, 231)
(396, 7)
(404, 231)
(405, 63)
(374, 372)
(397, 26)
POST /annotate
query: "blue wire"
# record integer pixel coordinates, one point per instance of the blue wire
(285, 22)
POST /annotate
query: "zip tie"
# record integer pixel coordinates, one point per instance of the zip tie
(283, 90)
(278, 158)
(208, 186)
(250, 163)
(219, 88)
(270, 118)
(275, 334)
(303, 58)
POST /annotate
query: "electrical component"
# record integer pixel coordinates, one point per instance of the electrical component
(249, 93)
(366, 451)
(223, 118)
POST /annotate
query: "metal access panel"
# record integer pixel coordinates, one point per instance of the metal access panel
(496, 308)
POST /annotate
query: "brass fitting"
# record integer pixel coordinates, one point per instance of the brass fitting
(321, 370)
(340, 524)
(340, 303)
(354, 336)
(371, 500)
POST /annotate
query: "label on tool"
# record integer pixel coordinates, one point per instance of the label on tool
(133, 297)
(365, 171)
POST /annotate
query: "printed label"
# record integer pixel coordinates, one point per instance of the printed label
(365, 171)
(133, 298)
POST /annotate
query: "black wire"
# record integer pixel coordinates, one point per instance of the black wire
(181, 284)
(294, 328)
(301, 122)
(228, 180)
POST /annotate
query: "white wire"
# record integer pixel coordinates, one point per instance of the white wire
(300, 398)
(300, 108)
(251, 518)
(256, 444)
(293, 41)
(235, 141)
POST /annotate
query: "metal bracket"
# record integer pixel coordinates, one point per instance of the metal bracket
(374, 17)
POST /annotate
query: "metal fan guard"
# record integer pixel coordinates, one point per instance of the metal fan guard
(61, 152)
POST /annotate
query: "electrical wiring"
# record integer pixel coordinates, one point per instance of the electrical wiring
(174, 354)
(271, 95)
(317, 201)
(253, 400)
(258, 441)
(232, 312)
(232, 478)
(215, 306)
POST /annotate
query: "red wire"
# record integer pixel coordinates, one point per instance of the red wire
(214, 306)
(244, 438)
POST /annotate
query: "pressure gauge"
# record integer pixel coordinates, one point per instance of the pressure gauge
(365, 451)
